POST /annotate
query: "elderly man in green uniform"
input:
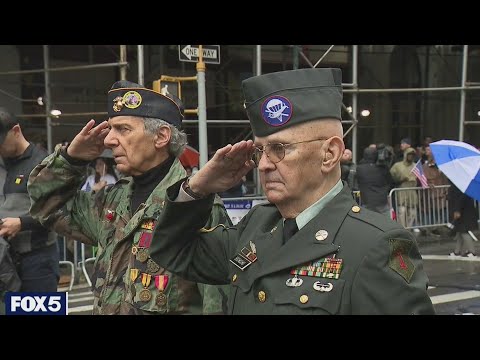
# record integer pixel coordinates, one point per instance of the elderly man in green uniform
(312, 250)
(144, 133)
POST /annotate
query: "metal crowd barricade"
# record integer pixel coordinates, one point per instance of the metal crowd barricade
(64, 261)
(416, 207)
(84, 261)
(79, 260)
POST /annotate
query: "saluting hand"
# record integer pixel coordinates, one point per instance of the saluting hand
(225, 169)
(88, 143)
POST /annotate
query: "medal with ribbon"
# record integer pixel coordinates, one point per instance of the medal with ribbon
(145, 294)
(143, 245)
(161, 282)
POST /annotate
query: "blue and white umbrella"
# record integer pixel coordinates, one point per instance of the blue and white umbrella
(460, 162)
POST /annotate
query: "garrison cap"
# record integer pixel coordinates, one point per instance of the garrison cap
(282, 99)
(127, 98)
(7, 122)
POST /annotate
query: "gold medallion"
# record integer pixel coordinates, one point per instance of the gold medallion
(161, 299)
(145, 295)
(142, 255)
(152, 266)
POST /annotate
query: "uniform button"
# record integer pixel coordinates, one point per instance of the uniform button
(356, 209)
(304, 299)
(234, 278)
(262, 296)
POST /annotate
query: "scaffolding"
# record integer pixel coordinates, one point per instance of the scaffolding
(349, 88)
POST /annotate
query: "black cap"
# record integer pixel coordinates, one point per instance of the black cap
(406, 141)
(282, 99)
(127, 98)
(7, 122)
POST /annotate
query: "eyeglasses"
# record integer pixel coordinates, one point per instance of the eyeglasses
(275, 151)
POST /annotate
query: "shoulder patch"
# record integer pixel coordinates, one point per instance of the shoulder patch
(399, 260)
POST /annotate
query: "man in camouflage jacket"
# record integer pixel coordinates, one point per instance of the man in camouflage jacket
(144, 134)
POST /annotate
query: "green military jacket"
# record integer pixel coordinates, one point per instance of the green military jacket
(346, 260)
(125, 280)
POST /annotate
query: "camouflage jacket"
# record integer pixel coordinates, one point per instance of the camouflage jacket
(125, 280)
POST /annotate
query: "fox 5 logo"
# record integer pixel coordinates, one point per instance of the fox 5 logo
(41, 303)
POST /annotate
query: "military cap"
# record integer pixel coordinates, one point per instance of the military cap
(282, 99)
(127, 98)
(7, 122)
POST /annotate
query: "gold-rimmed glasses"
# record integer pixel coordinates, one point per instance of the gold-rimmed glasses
(275, 151)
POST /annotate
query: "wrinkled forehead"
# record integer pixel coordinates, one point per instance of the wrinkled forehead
(133, 121)
(284, 136)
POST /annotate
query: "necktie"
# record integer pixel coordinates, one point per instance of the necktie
(289, 229)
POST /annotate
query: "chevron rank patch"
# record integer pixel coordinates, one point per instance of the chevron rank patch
(399, 260)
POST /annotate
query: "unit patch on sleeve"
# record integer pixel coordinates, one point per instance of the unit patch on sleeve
(399, 260)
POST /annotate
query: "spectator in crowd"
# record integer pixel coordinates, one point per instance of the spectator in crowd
(104, 175)
(144, 133)
(405, 143)
(436, 202)
(34, 249)
(348, 170)
(464, 218)
(406, 200)
(286, 257)
(374, 182)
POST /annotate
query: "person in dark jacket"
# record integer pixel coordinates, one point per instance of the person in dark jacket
(348, 170)
(34, 249)
(464, 219)
(374, 182)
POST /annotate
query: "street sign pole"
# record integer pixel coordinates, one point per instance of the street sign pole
(202, 110)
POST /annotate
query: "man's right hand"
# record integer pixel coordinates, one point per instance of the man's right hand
(88, 143)
(224, 170)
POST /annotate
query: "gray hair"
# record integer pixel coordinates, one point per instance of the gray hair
(178, 139)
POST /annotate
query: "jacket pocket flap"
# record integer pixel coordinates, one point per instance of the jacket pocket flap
(322, 293)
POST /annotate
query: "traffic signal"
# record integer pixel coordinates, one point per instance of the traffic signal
(172, 85)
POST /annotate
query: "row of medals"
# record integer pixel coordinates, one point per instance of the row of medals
(145, 295)
(325, 268)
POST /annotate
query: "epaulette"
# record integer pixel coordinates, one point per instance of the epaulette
(373, 218)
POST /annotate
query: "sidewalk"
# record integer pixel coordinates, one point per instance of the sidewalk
(441, 245)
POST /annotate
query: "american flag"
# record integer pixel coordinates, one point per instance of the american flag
(418, 171)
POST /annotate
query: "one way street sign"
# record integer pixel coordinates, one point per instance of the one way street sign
(211, 53)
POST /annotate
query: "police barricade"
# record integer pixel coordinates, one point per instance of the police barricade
(238, 207)
(62, 244)
(84, 260)
(416, 207)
